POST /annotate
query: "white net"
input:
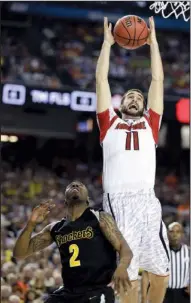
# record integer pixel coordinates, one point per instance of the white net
(167, 9)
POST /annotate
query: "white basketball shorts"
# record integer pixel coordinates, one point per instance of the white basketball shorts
(139, 218)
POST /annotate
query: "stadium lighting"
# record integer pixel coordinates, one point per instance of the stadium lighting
(13, 139)
(4, 138)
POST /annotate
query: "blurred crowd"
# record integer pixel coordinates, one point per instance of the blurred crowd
(18, 64)
(30, 280)
(69, 59)
(59, 54)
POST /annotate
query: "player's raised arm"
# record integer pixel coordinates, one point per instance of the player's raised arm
(156, 90)
(25, 245)
(114, 236)
(102, 69)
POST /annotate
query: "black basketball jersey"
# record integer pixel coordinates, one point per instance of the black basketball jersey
(88, 259)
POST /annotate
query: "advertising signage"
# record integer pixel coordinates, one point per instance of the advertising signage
(79, 101)
(19, 95)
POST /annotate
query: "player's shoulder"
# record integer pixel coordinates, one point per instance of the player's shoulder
(100, 213)
(147, 117)
(146, 113)
(56, 225)
(95, 212)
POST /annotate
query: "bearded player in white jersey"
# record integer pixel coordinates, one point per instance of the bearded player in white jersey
(129, 163)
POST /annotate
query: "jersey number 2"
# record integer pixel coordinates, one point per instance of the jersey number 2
(135, 141)
(74, 250)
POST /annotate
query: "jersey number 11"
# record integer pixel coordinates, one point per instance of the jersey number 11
(135, 137)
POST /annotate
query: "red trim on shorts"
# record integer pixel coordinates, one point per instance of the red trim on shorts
(105, 123)
(154, 121)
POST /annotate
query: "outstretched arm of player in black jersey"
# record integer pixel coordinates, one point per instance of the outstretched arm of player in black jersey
(25, 245)
(156, 90)
(114, 236)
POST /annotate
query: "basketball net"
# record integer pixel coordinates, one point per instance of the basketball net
(176, 8)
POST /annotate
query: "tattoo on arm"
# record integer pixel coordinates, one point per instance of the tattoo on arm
(110, 230)
(40, 241)
(114, 236)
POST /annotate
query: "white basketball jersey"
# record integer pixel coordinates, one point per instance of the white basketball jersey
(129, 151)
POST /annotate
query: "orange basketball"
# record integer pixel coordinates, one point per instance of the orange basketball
(131, 32)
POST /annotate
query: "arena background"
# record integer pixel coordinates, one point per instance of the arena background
(49, 132)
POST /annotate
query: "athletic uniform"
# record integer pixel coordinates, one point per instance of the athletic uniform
(179, 276)
(88, 261)
(129, 164)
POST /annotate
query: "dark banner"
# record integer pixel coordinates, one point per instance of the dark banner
(21, 96)
(141, 8)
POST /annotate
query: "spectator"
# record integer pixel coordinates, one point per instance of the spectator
(5, 293)
(14, 299)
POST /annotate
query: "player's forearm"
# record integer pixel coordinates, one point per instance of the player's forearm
(156, 63)
(102, 68)
(156, 90)
(125, 255)
(102, 86)
(20, 250)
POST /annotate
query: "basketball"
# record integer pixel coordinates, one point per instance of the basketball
(131, 32)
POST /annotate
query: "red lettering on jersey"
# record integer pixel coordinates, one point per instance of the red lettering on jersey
(135, 141)
(140, 125)
(128, 141)
(123, 126)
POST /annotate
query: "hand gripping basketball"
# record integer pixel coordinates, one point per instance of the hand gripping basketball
(41, 211)
(108, 37)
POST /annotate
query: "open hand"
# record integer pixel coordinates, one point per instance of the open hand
(107, 32)
(41, 211)
(120, 281)
(152, 33)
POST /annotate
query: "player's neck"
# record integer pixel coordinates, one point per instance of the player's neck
(128, 117)
(76, 211)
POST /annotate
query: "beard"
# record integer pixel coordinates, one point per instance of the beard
(138, 113)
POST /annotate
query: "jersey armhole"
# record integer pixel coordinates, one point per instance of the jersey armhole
(53, 227)
(96, 214)
(105, 120)
(154, 121)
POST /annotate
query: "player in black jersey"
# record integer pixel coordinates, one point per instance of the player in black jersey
(87, 241)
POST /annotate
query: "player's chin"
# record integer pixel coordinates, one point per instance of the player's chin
(134, 113)
(75, 197)
(72, 198)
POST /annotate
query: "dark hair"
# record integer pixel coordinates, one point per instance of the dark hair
(134, 90)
